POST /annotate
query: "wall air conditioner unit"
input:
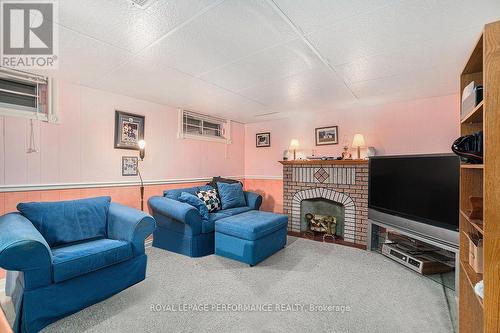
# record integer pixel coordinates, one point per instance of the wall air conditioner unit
(26, 95)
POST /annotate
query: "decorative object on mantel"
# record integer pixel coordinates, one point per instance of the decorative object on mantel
(322, 161)
(129, 130)
(327, 135)
(142, 153)
(263, 140)
(322, 158)
(130, 165)
(285, 155)
(358, 142)
(346, 155)
(294, 145)
(476, 204)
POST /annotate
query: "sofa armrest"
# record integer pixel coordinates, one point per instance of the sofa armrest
(23, 248)
(177, 211)
(131, 225)
(254, 200)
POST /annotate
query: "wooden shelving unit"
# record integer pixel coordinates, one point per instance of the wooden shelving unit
(475, 116)
(483, 67)
(472, 166)
(477, 224)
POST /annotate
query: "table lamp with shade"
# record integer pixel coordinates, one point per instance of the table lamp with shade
(142, 153)
(358, 142)
(294, 145)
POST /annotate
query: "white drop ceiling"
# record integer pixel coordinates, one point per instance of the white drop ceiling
(252, 60)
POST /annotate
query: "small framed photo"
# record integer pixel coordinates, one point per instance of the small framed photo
(327, 136)
(130, 165)
(263, 140)
(129, 129)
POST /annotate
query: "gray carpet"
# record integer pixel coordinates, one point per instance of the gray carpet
(382, 295)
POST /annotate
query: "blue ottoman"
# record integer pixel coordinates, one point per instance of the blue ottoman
(250, 237)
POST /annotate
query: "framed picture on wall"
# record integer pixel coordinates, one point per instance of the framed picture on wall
(327, 135)
(263, 140)
(129, 129)
(130, 165)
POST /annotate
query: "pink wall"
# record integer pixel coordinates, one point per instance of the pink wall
(420, 126)
(80, 147)
(271, 191)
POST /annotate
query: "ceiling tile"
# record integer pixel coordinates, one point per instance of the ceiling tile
(119, 23)
(84, 60)
(381, 31)
(309, 87)
(269, 65)
(449, 15)
(169, 86)
(312, 15)
(225, 34)
(452, 49)
(386, 29)
(436, 81)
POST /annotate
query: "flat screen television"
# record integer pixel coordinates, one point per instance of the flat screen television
(420, 188)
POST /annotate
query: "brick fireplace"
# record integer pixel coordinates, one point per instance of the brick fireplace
(341, 183)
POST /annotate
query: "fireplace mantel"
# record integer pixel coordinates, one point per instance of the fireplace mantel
(322, 162)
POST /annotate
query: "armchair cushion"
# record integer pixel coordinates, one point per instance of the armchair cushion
(66, 222)
(196, 202)
(82, 258)
(231, 195)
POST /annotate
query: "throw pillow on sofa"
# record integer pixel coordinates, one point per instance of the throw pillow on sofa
(65, 222)
(220, 179)
(210, 199)
(231, 195)
(196, 202)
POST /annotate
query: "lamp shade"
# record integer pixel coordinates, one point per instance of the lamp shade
(141, 144)
(359, 140)
(294, 144)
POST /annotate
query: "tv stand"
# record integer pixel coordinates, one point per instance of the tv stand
(375, 238)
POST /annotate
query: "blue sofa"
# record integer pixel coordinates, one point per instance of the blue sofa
(180, 227)
(70, 255)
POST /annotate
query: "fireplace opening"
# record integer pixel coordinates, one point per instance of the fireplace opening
(323, 217)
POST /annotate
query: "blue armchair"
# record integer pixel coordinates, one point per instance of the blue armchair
(65, 267)
(180, 227)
